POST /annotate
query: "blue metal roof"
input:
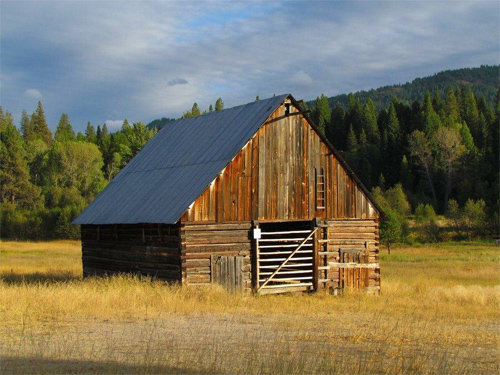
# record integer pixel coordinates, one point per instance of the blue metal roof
(176, 166)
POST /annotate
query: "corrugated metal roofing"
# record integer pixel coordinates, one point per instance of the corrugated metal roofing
(176, 166)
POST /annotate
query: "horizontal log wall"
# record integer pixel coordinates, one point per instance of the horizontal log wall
(145, 249)
(273, 178)
(202, 242)
(350, 254)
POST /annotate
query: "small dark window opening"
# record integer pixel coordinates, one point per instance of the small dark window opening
(287, 108)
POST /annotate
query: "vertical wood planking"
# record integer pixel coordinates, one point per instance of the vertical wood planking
(255, 178)
(272, 178)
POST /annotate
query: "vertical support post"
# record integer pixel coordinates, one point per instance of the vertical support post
(256, 262)
(315, 261)
(257, 257)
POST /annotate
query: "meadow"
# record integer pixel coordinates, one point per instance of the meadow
(438, 313)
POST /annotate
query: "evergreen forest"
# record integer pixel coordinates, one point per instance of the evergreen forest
(424, 149)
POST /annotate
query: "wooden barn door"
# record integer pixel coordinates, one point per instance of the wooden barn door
(285, 257)
(228, 272)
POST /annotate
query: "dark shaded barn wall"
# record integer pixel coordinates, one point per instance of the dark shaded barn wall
(147, 249)
(274, 178)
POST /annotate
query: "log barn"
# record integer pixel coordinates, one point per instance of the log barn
(254, 198)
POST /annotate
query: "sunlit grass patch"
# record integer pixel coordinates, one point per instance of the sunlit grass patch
(55, 259)
(436, 315)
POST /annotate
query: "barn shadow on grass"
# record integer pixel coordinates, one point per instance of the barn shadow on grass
(28, 365)
(50, 277)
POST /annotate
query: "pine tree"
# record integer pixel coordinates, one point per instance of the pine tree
(467, 139)
(125, 126)
(64, 131)
(429, 116)
(483, 128)
(336, 131)
(321, 113)
(364, 160)
(105, 131)
(470, 113)
(495, 136)
(352, 141)
(104, 142)
(369, 122)
(98, 135)
(210, 109)
(437, 103)
(486, 108)
(451, 108)
(219, 105)
(394, 151)
(416, 121)
(354, 113)
(381, 182)
(16, 187)
(90, 133)
(39, 125)
(257, 98)
(26, 126)
(363, 139)
(195, 111)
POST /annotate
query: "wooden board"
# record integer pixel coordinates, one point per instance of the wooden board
(273, 178)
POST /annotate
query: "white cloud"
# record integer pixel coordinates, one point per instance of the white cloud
(114, 124)
(301, 78)
(33, 93)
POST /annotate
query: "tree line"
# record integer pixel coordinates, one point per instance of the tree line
(440, 154)
(441, 151)
(484, 81)
(48, 179)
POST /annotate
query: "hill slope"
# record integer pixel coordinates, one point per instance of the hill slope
(484, 80)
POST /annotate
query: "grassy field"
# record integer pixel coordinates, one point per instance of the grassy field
(438, 314)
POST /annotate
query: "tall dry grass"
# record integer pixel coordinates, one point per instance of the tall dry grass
(421, 323)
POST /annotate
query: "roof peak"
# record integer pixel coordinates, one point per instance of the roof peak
(260, 101)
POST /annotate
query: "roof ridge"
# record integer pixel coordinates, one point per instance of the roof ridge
(177, 165)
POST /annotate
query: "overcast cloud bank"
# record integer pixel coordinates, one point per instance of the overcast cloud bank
(147, 60)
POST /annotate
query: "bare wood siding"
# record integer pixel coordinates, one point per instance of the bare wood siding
(351, 241)
(152, 250)
(202, 242)
(273, 178)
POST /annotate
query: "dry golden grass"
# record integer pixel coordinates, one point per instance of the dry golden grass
(438, 313)
(60, 259)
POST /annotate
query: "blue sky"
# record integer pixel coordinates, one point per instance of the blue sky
(103, 61)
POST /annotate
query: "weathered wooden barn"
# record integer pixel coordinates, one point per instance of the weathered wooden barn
(252, 197)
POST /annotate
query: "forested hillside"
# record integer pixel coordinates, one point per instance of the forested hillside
(484, 82)
(438, 154)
